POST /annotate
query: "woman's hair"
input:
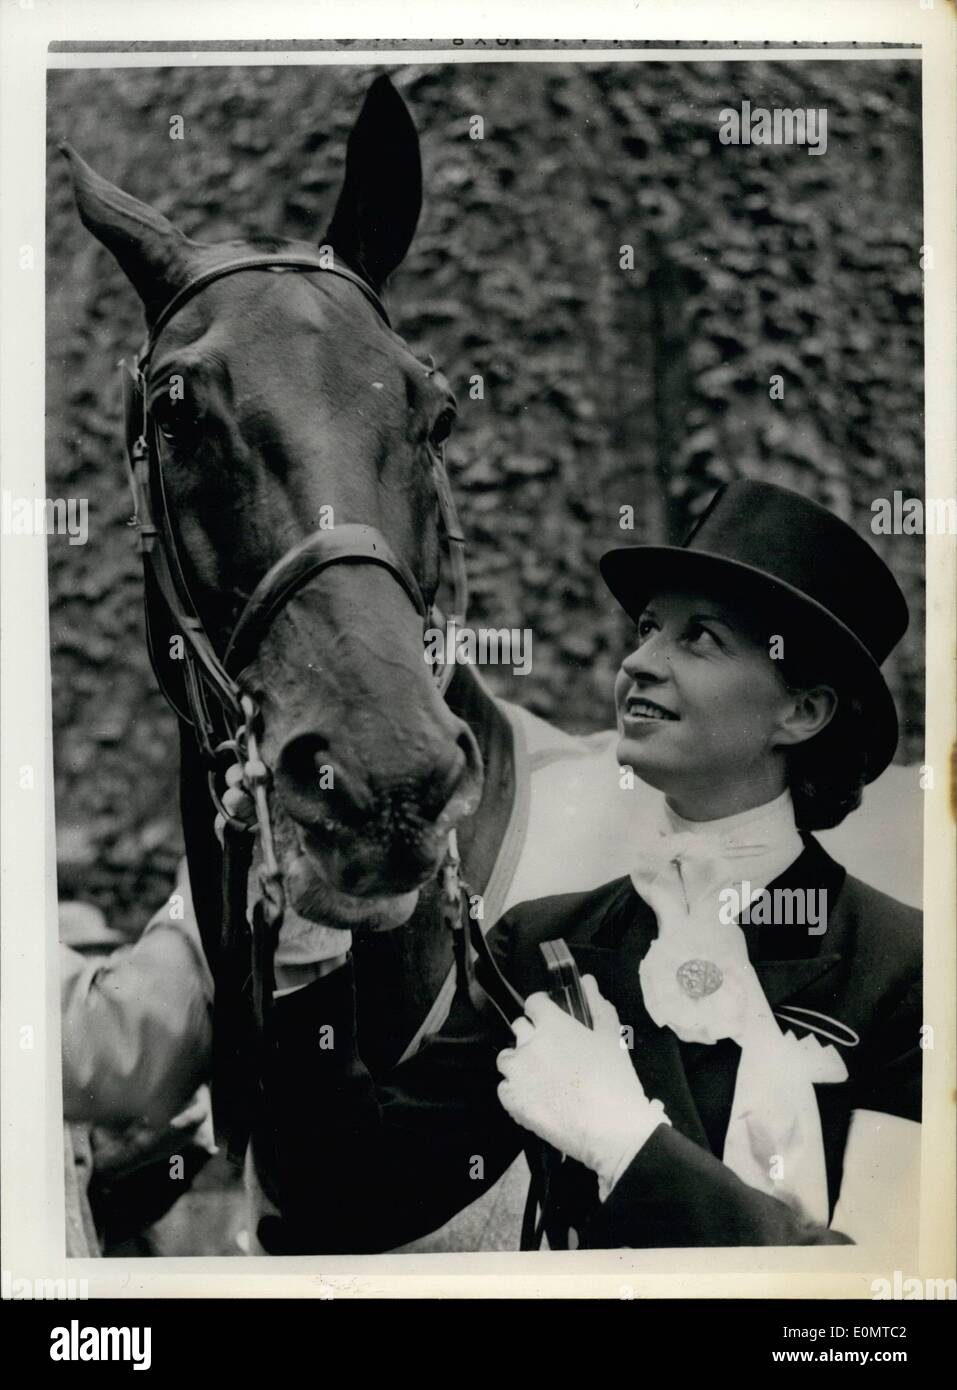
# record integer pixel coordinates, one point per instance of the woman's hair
(826, 774)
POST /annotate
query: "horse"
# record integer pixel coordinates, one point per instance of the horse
(297, 402)
(300, 406)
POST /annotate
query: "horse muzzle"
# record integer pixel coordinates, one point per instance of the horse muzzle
(367, 836)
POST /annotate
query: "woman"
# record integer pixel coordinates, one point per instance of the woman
(748, 997)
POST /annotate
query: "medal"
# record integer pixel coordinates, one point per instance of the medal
(699, 978)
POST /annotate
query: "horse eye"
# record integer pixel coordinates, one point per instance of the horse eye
(165, 422)
(443, 427)
(172, 418)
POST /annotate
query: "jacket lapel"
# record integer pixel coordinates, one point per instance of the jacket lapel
(787, 958)
(656, 1053)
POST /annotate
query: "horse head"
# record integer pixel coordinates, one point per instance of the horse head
(283, 403)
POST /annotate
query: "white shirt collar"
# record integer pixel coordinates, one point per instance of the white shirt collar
(761, 842)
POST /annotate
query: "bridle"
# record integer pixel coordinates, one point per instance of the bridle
(226, 722)
(207, 673)
(221, 711)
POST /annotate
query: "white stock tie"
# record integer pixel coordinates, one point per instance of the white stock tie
(696, 979)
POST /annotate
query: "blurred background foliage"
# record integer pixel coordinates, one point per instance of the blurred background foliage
(603, 387)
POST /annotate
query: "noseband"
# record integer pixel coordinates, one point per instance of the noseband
(224, 715)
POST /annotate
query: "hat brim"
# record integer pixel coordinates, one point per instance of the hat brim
(634, 573)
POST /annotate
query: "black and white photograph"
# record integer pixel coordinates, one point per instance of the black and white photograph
(500, 663)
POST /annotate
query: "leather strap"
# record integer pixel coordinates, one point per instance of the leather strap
(504, 996)
(346, 543)
(278, 263)
(291, 572)
(249, 960)
(565, 989)
(454, 539)
(564, 981)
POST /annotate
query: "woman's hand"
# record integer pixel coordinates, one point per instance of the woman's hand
(306, 949)
(236, 800)
(575, 1087)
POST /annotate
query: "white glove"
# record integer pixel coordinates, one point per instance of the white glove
(575, 1087)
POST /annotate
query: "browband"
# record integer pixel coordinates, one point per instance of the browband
(277, 262)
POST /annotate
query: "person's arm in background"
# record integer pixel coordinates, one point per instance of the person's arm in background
(137, 1028)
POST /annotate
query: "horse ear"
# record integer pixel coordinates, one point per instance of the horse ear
(150, 251)
(378, 208)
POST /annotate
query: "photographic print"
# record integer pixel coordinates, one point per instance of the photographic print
(488, 530)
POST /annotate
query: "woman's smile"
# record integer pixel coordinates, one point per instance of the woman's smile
(639, 712)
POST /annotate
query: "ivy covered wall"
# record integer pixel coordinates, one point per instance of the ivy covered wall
(643, 386)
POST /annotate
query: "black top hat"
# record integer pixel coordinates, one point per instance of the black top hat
(805, 565)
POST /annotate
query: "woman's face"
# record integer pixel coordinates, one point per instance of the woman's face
(703, 713)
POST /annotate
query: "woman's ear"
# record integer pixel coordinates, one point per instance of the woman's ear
(805, 714)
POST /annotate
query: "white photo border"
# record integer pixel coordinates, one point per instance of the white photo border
(30, 1094)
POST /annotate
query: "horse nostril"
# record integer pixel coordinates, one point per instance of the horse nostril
(436, 793)
(319, 786)
(469, 746)
(304, 773)
(462, 766)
